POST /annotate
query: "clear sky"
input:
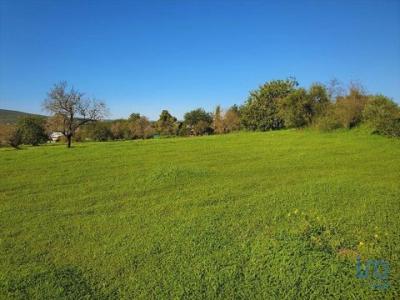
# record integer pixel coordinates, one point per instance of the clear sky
(145, 56)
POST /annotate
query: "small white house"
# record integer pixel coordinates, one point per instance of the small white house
(55, 136)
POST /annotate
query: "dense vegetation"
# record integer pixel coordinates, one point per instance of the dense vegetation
(277, 104)
(281, 215)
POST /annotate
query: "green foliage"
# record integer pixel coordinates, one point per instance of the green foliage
(11, 117)
(226, 121)
(166, 124)
(348, 109)
(300, 108)
(328, 121)
(6, 131)
(296, 110)
(277, 215)
(83, 133)
(274, 105)
(133, 117)
(183, 129)
(101, 131)
(383, 116)
(198, 121)
(141, 128)
(120, 130)
(32, 130)
(14, 138)
(232, 119)
(319, 98)
(260, 112)
(201, 127)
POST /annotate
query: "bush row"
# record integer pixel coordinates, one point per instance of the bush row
(274, 105)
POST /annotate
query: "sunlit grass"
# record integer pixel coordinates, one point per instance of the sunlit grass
(249, 215)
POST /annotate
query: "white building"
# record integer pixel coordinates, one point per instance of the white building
(55, 136)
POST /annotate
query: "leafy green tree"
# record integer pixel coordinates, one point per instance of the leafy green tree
(295, 109)
(133, 117)
(166, 124)
(183, 129)
(32, 130)
(234, 108)
(319, 96)
(382, 115)
(260, 111)
(198, 121)
(301, 107)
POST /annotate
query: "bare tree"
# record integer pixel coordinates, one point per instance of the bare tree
(335, 89)
(218, 121)
(70, 110)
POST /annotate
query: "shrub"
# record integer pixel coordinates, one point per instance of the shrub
(120, 130)
(348, 109)
(198, 121)
(80, 135)
(32, 130)
(382, 115)
(301, 107)
(166, 124)
(297, 109)
(260, 111)
(83, 133)
(5, 131)
(327, 122)
(101, 132)
(183, 129)
(218, 122)
(318, 94)
(202, 127)
(226, 121)
(232, 119)
(141, 128)
(14, 138)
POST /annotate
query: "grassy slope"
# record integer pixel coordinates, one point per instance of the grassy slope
(12, 116)
(278, 214)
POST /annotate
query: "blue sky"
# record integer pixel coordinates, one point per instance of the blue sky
(145, 56)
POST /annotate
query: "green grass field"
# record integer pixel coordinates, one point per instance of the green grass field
(249, 216)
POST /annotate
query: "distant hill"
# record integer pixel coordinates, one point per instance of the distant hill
(12, 116)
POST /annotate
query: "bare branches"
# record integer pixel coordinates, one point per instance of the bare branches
(71, 110)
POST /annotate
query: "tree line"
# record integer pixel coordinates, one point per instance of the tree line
(277, 104)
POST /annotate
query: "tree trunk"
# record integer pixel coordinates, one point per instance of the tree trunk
(69, 138)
